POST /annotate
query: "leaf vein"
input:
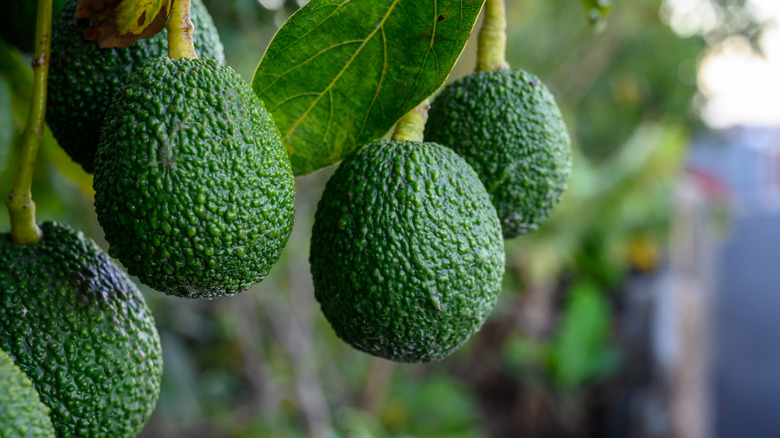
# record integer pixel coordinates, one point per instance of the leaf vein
(378, 87)
(295, 96)
(324, 20)
(425, 59)
(295, 125)
(304, 63)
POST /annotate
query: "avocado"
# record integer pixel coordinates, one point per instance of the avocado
(73, 321)
(84, 78)
(508, 127)
(17, 22)
(193, 185)
(406, 251)
(22, 415)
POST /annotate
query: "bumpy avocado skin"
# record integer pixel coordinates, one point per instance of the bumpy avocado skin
(406, 251)
(22, 415)
(508, 127)
(84, 78)
(193, 185)
(79, 328)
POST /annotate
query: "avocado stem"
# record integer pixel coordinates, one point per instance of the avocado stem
(181, 31)
(21, 208)
(412, 125)
(491, 41)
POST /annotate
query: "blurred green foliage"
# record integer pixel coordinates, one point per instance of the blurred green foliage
(635, 70)
(581, 350)
(606, 206)
(266, 364)
(62, 190)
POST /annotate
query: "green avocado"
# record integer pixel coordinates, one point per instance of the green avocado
(84, 78)
(22, 415)
(81, 331)
(508, 127)
(193, 185)
(17, 22)
(406, 251)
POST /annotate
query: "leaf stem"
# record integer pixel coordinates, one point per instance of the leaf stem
(412, 124)
(21, 208)
(491, 42)
(181, 31)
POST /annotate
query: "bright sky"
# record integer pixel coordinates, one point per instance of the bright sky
(741, 88)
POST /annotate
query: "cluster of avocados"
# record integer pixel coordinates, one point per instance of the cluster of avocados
(193, 187)
(79, 328)
(83, 78)
(507, 126)
(195, 193)
(407, 255)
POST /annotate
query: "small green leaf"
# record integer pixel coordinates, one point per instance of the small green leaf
(581, 349)
(340, 73)
(120, 23)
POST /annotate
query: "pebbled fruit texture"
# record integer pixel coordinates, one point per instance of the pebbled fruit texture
(406, 251)
(84, 78)
(508, 127)
(79, 328)
(193, 185)
(22, 415)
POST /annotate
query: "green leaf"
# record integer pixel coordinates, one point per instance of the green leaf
(581, 349)
(340, 73)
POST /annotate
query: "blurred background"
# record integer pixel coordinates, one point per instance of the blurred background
(645, 307)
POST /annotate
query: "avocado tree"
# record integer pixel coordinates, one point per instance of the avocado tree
(336, 76)
(193, 179)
